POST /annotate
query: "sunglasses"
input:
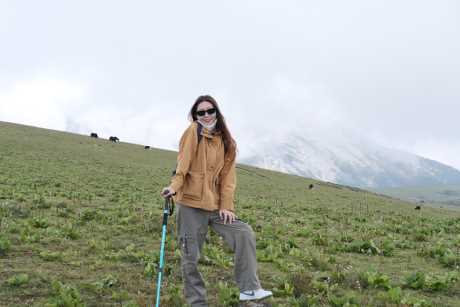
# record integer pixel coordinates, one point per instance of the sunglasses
(203, 112)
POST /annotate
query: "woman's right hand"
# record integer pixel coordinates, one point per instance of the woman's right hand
(167, 192)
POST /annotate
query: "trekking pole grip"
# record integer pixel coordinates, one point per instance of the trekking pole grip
(169, 205)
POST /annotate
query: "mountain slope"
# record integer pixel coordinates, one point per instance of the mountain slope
(441, 195)
(80, 225)
(347, 160)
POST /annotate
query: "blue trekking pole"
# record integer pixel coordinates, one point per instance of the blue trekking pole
(167, 211)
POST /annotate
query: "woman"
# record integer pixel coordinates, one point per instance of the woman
(203, 188)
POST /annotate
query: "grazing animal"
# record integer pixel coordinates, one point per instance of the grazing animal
(311, 186)
(114, 139)
(146, 147)
(418, 208)
(93, 135)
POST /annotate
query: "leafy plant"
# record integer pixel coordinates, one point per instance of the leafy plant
(415, 302)
(40, 202)
(65, 296)
(50, 256)
(431, 282)
(5, 245)
(416, 280)
(363, 247)
(29, 235)
(17, 280)
(304, 232)
(107, 282)
(151, 262)
(319, 262)
(283, 290)
(441, 283)
(38, 222)
(443, 253)
(270, 254)
(374, 279)
(70, 232)
(394, 295)
(320, 239)
(388, 248)
(120, 296)
(301, 282)
(215, 256)
(150, 269)
(173, 297)
(87, 215)
(227, 295)
(343, 300)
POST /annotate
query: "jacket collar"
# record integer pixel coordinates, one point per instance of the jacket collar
(205, 132)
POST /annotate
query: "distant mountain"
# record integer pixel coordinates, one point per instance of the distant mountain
(348, 160)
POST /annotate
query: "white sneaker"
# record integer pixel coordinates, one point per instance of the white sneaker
(254, 294)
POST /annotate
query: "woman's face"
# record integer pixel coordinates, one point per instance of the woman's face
(206, 117)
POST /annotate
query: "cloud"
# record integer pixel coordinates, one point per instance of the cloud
(42, 101)
(387, 70)
(281, 106)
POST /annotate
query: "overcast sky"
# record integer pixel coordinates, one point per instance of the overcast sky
(387, 70)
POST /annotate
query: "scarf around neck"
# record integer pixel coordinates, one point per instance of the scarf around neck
(211, 127)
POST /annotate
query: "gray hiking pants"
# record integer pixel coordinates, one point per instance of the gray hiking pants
(192, 226)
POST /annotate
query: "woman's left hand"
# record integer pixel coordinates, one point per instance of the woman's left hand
(227, 215)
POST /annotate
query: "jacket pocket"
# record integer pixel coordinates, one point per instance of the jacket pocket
(193, 185)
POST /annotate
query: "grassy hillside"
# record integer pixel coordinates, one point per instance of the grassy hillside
(80, 223)
(446, 195)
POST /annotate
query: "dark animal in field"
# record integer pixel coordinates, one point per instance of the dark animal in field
(146, 147)
(311, 186)
(93, 135)
(114, 139)
(418, 208)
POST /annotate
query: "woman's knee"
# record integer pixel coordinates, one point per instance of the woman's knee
(246, 228)
(189, 249)
(245, 233)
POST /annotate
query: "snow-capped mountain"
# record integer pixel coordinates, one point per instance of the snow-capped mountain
(349, 161)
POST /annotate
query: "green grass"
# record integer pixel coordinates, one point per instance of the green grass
(80, 225)
(438, 196)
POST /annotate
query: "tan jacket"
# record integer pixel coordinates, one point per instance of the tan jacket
(203, 179)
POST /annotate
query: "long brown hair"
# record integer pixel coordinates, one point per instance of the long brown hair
(229, 142)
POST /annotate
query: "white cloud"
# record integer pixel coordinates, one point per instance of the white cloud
(41, 101)
(387, 69)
